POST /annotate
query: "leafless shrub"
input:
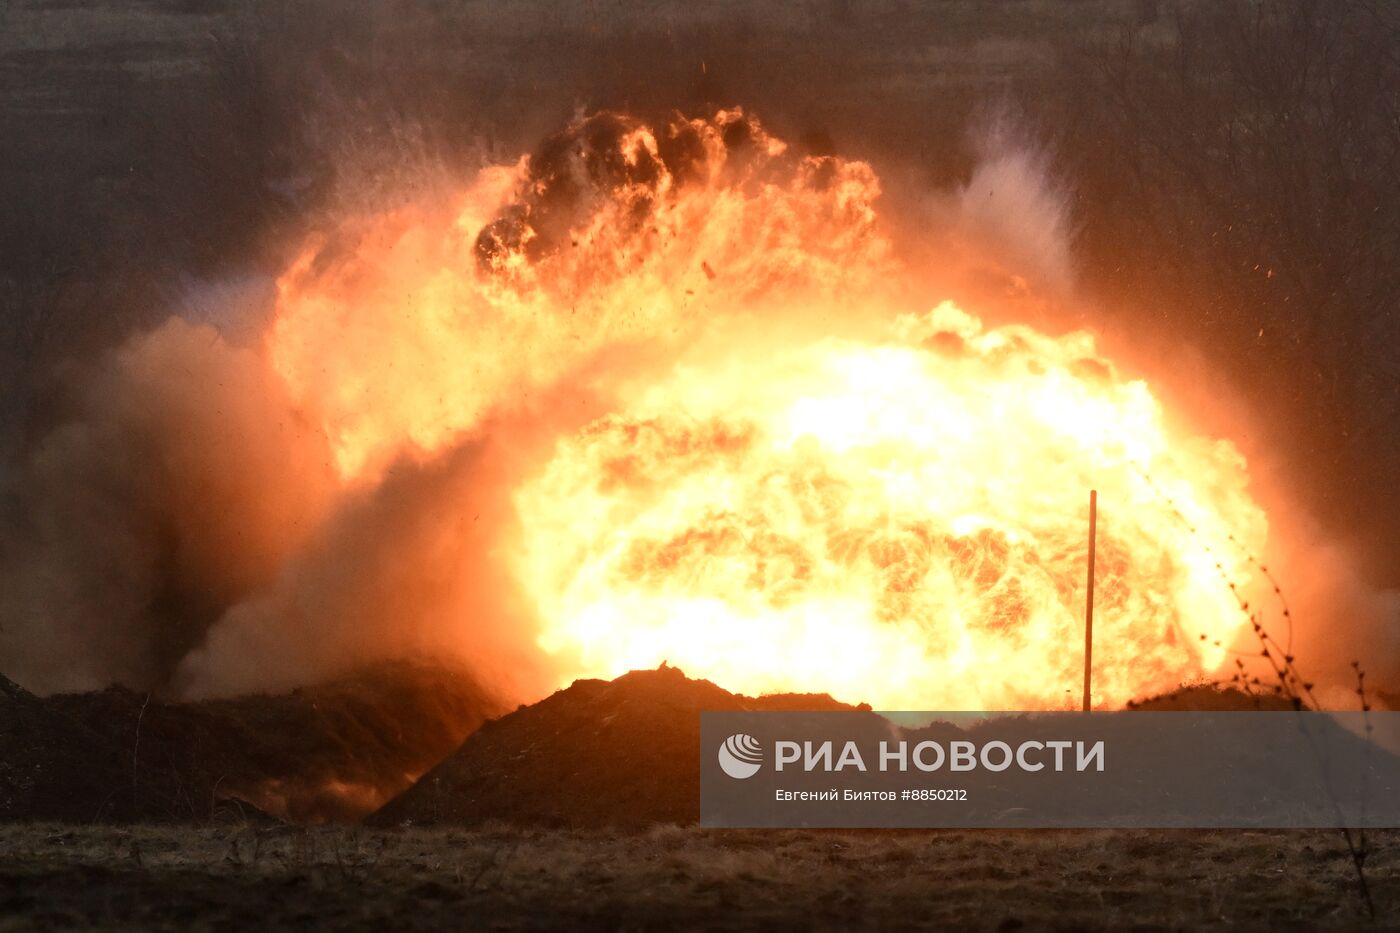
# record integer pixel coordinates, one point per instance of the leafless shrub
(1279, 657)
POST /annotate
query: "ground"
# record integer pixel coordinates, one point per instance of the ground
(238, 876)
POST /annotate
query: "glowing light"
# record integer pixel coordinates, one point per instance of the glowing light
(895, 514)
(887, 523)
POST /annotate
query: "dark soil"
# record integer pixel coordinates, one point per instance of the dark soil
(622, 753)
(329, 752)
(1212, 698)
(51, 766)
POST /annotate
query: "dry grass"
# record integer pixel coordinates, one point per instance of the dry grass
(231, 877)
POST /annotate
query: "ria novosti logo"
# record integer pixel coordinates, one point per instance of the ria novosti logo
(740, 756)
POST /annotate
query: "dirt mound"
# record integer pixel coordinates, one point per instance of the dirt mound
(621, 753)
(624, 754)
(47, 761)
(1212, 698)
(333, 751)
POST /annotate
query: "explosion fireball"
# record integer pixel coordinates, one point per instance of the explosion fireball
(670, 392)
(901, 521)
(885, 506)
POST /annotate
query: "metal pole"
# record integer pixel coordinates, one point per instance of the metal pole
(1089, 599)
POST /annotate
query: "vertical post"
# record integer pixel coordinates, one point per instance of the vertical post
(1089, 597)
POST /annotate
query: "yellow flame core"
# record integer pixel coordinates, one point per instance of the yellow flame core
(898, 519)
(901, 522)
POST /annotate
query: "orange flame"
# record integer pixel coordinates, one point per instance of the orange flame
(405, 330)
(893, 513)
(899, 521)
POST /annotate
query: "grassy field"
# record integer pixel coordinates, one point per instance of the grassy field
(346, 878)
